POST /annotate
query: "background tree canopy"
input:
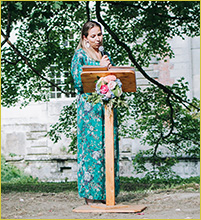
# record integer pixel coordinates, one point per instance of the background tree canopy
(44, 31)
(134, 32)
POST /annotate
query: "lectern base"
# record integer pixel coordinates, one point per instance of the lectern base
(110, 209)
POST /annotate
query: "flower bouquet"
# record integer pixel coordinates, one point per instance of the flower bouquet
(108, 92)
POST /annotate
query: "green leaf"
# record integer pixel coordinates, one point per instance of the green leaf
(18, 5)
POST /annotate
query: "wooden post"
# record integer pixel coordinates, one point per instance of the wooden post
(109, 157)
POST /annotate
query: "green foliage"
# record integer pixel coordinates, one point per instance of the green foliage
(115, 102)
(126, 184)
(45, 187)
(174, 180)
(168, 129)
(147, 183)
(11, 174)
(44, 31)
(146, 27)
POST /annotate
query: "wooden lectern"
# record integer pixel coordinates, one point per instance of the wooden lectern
(127, 77)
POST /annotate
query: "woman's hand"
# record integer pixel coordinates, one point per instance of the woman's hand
(105, 61)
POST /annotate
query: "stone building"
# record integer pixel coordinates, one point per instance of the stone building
(23, 140)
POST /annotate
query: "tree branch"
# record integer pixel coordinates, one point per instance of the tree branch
(155, 149)
(88, 10)
(29, 65)
(171, 117)
(8, 25)
(170, 132)
(122, 44)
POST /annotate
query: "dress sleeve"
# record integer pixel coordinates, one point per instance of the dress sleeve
(76, 69)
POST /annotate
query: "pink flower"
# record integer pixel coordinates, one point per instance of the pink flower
(111, 85)
(109, 78)
(104, 89)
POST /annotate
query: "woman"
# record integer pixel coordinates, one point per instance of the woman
(90, 120)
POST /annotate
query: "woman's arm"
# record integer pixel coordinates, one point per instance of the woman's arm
(76, 70)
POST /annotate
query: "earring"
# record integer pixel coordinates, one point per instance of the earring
(87, 44)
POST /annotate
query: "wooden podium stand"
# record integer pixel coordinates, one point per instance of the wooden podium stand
(127, 77)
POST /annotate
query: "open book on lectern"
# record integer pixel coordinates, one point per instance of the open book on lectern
(90, 74)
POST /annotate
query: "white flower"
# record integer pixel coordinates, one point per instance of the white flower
(111, 85)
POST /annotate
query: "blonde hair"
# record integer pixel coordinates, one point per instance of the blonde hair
(82, 44)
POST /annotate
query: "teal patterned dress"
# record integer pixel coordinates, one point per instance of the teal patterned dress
(90, 135)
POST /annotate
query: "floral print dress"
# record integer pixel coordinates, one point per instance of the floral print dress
(90, 135)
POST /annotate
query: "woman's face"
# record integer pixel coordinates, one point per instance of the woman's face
(95, 37)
